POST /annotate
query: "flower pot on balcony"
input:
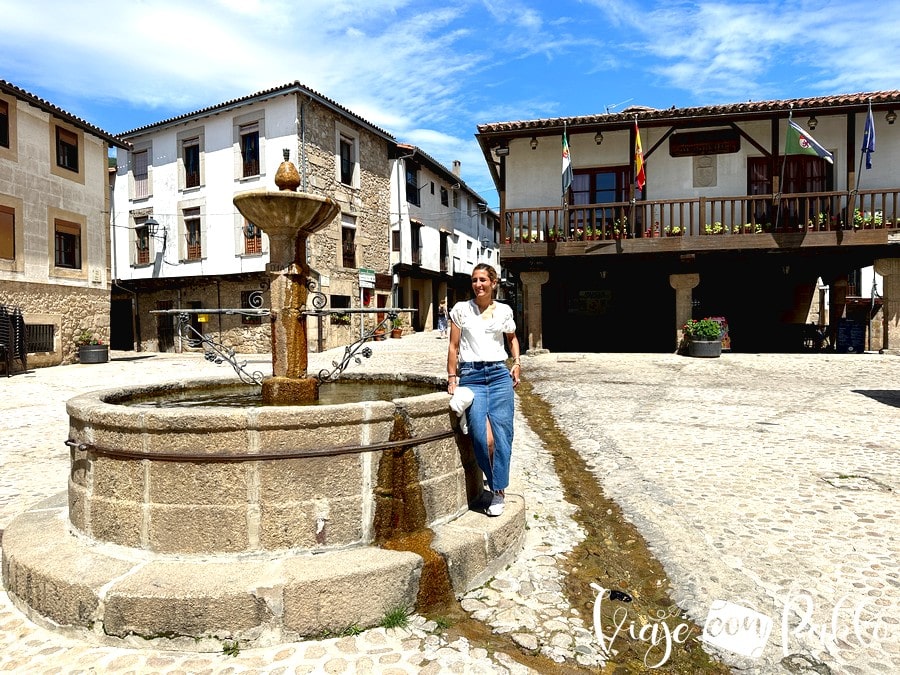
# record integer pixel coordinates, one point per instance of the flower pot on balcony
(396, 332)
(93, 353)
(708, 349)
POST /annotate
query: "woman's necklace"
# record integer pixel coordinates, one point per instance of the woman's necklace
(487, 312)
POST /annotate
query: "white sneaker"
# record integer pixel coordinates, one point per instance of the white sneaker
(497, 504)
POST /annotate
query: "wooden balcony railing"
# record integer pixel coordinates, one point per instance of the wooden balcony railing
(743, 215)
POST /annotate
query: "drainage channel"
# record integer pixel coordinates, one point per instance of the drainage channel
(615, 556)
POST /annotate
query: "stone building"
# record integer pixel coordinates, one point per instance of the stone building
(440, 229)
(728, 220)
(54, 224)
(180, 244)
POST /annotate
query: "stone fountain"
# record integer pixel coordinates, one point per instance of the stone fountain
(190, 527)
(288, 218)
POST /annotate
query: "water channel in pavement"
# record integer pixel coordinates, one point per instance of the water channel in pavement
(613, 555)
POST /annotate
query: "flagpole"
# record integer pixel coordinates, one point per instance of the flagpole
(862, 150)
(851, 199)
(781, 178)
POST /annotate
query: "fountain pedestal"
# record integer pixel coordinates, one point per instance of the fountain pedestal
(288, 218)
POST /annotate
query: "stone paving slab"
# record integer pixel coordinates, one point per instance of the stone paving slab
(754, 478)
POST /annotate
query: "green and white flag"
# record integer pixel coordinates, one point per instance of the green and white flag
(799, 142)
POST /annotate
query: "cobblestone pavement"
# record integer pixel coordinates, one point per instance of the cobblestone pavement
(768, 481)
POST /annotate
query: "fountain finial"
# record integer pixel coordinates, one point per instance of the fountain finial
(287, 177)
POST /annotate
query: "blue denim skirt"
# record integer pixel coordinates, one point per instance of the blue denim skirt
(492, 385)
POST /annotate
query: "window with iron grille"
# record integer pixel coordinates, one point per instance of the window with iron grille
(67, 244)
(191, 157)
(252, 238)
(192, 234)
(66, 149)
(7, 233)
(39, 337)
(139, 170)
(4, 124)
(445, 198)
(249, 134)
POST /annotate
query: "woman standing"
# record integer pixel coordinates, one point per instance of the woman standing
(475, 359)
(442, 319)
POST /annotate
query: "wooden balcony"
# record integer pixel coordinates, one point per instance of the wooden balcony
(811, 219)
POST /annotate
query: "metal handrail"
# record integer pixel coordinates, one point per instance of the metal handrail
(119, 453)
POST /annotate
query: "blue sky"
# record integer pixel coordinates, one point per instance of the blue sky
(427, 72)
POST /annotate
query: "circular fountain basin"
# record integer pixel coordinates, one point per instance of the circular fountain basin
(190, 527)
(228, 479)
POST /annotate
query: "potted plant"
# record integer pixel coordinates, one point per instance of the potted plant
(396, 327)
(340, 319)
(703, 337)
(91, 348)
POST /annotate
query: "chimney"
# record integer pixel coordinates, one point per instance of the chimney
(456, 165)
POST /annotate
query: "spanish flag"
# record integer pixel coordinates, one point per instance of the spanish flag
(640, 178)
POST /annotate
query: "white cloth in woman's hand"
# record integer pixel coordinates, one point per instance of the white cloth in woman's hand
(460, 401)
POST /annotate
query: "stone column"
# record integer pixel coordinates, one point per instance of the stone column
(837, 305)
(534, 329)
(684, 298)
(889, 269)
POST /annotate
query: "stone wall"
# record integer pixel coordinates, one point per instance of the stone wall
(232, 331)
(70, 309)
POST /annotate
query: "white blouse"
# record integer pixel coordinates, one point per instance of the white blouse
(482, 339)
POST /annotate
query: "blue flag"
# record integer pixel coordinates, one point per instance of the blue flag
(868, 144)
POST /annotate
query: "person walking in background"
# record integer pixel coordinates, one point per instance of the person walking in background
(442, 319)
(480, 329)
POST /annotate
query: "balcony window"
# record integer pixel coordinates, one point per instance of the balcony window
(445, 252)
(141, 174)
(412, 184)
(252, 238)
(348, 246)
(4, 124)
(7, 233)
(416, 244)
(192, 236)
(347, 159)
(142, 245)
(249, 134)
(190, 154)
(67, 244)
(66, 149)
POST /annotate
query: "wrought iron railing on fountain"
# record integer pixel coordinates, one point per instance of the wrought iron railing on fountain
(218, 353)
